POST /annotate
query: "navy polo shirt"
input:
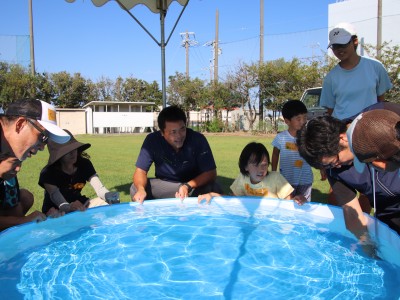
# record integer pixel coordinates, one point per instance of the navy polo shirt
(195, 157)
(346, 181)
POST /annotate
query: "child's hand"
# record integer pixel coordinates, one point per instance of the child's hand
(300, 199)
(207, 197)
(54, 213)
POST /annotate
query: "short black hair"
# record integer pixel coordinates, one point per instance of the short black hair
(254, 151)
(170, 114)
(353, 37)
(320, 137)
(293, 108)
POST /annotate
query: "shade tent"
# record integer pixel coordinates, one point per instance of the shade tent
(156, 6)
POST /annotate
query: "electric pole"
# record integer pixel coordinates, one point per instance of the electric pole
(31, 38)
(187, 42)
(260, 99)
(379, 31)
(216, 48)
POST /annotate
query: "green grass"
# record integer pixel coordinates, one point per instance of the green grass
(114, 158)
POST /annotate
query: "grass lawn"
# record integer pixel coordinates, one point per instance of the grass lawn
(114, 158)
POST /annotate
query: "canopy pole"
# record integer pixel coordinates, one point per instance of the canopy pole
(164, 82)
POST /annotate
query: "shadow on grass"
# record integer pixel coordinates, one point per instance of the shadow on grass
(225, 184)
(123, 190)
(318, 196)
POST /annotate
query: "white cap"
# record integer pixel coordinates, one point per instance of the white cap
(49, 122)
(341, 34)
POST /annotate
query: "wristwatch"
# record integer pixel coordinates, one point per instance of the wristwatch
(190, 189)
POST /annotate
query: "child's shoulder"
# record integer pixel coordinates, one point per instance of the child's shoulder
(284, 132)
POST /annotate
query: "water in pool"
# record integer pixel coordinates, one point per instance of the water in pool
(232, 249)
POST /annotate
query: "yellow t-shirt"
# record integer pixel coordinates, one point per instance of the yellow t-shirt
(274, 185)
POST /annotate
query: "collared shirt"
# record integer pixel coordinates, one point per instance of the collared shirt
(195, 157)
(346, 181)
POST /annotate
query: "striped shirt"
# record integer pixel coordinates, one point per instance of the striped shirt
(291, 165)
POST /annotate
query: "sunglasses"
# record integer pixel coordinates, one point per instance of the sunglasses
(43, 136)
(340, 46)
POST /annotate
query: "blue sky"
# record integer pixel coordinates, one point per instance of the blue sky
(106, 42)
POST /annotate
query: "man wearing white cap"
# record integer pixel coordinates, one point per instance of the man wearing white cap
(25, 128)
(356, 82)
(353, 84)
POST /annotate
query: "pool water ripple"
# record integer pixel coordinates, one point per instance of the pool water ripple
(192, 252)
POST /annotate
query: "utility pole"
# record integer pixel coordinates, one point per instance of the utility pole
(260, 99)
(379, 31)
(31, 38)
(187, 42)
(216, 48)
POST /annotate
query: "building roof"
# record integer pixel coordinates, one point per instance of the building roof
(94, 103)
(69, 109)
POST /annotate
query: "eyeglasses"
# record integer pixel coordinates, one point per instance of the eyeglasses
(43, 136)
(331, 164)
(340, 46)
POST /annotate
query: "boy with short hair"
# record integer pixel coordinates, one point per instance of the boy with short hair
(291, 165)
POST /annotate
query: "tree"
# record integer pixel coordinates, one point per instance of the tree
(282, 80)
(71, 92)
(244, 84)
(390, 58)
(44, 87)
(15, 83)
(138, 90)
(189, 94)
(105, 89)
(222, 97)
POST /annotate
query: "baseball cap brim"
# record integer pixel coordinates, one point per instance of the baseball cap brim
(358, 165)
(343, 40)
(55, 133)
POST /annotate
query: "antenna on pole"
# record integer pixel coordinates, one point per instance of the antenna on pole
(212, 44)
(187, 42)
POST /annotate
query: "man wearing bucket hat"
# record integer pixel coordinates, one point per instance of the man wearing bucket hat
(25, 127)
(66, 174)
(340, 146)
(374, 138)
(356, 82)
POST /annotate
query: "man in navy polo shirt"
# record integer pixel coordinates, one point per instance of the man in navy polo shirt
(326, 142)
(184, 163)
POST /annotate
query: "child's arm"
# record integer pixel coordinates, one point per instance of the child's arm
(275, 159)
(98, 186)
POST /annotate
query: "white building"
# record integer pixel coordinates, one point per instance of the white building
(118, 117)
(363, 14)
(107, 117)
